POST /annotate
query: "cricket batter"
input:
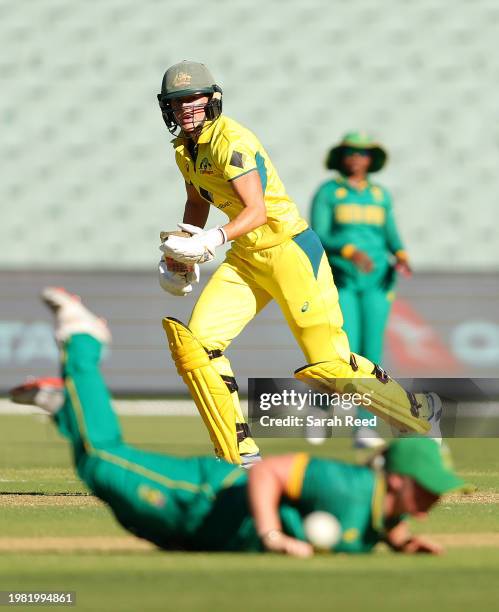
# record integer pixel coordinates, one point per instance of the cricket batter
(353, 217)
(202, 503)
(274, 255)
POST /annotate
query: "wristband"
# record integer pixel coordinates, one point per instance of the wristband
(224, 234)
(348, 250)
(213, 238)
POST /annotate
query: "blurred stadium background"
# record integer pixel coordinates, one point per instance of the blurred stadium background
(89, 180)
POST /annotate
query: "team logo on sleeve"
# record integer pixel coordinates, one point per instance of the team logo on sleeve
(205, 166)
(152, 496)
(350, 535)
(236, 159)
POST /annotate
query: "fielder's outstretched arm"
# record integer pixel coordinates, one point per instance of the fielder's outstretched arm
(267, 483)
(399, 539)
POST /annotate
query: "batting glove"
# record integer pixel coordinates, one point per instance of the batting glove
(177, 283)
(198, 248)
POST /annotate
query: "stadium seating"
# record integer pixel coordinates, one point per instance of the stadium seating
(88, 175)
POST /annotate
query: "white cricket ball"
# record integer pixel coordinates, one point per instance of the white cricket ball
(315, 441)
(322, 530)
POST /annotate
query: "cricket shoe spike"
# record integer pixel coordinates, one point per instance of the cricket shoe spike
(72, 317)
(434, 411)
(248, 459)
(45, 393)
(366, 438)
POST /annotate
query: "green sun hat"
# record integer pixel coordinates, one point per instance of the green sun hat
(361, 141)
(427, 462)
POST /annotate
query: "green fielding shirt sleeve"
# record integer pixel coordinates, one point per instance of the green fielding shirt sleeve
(393, 241)
(322, 219)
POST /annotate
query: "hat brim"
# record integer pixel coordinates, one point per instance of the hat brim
(336, 154)
(183, 93)
(445, 482)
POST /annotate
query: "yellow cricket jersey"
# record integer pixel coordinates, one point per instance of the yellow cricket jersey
(225, 151)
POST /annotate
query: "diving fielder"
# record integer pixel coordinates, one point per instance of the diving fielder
(274, 255)
(202, 503)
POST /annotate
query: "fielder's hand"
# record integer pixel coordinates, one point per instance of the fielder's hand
(277, 541)
(199, 247)
(363, 262)
(417, 544)
(402, 266)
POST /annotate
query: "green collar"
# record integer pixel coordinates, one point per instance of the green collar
(343, 180)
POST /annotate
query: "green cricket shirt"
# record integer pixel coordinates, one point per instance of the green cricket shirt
(353, 494)
(343, 215)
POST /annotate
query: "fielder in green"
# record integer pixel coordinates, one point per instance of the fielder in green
(354, 219)
(204, 503)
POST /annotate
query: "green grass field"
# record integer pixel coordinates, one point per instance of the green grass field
(53, 541)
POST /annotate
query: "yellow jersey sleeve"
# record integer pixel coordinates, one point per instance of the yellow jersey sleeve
(240, 158)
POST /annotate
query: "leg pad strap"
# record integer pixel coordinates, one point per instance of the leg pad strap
(209, 390)
(387, 399)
